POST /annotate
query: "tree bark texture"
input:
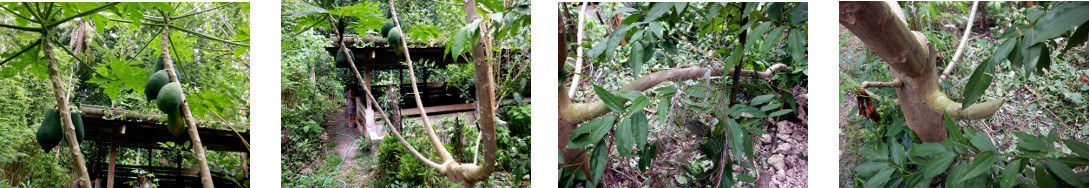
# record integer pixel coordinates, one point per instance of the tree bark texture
(911, 58)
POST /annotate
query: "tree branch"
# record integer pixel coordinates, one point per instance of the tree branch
(578, 56)
(199, 35)
(24, 28)
(963, 39)
(14, 13)
(81, 14)
(580, 112)
(27, 48)
(435, 142)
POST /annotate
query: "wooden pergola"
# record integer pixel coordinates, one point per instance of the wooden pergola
(374, 54)
(129, 129)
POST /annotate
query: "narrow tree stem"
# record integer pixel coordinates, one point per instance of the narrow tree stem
(435, 141)
(194, 134)
(963, 39)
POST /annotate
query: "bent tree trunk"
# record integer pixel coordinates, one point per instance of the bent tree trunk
(572, 114)
(883, 29)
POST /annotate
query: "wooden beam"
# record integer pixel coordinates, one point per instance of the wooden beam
(439, 109)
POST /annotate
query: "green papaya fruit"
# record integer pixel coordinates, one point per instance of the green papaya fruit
(394, 40)
(170, 98)
(389, 14)
(342, 58)
(175, 124)
(77, 121)
(158, 64)
(49, 133)
(154, 83)
(386, 27)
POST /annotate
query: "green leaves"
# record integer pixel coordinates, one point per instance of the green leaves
(772, 39)
(623, 138)
(610, 100)
(648, 157)
(983, 75)
(598, 162)
(1064, 172)
(465, 36)
(938, 165)
(982, 142)
(1059, 20)
(1077, 147)
(758, 100)
(657, 11)
(1010, 173)
(796, 43)
(1079, 37)
(982, 163)
(591, 132)
(637, 59)
(756, 33)
(737, 138)
(800, 13)
(639, 129)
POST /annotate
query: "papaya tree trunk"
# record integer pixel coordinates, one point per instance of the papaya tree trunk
(61, 94)
(882, 27)
(194, 135)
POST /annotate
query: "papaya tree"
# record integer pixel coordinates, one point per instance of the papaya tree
(651, 36)
(77, 23)
(481, 33)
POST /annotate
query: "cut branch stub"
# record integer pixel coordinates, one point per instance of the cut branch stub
(912, 61)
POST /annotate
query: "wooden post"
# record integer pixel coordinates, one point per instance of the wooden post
(113, 162)
(367, 84)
